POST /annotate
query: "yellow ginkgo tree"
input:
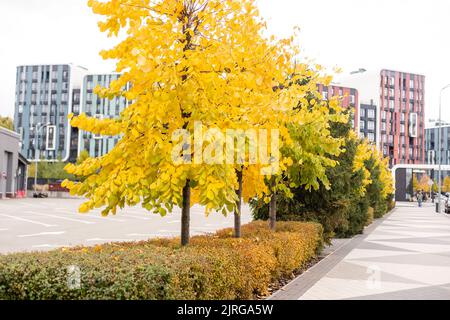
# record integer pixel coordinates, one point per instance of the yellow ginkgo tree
(186, 62)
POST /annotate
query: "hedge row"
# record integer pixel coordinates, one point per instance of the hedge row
(212, 267)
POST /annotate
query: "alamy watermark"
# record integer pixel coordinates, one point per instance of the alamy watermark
(374, 280)
(231, 146)
(73, 277)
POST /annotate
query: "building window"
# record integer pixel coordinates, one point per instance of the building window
(371, 113)
(363, 113)
(352, 99)
(50, 142)
(392, 104)
(371, 137)
(391, 81)
(411, 83)
(413, 120)
(371, 125)
(22, 97)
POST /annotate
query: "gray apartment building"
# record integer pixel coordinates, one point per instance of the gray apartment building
(368, 122)
(44, 99)
(431, 145)
(13, 166)
(94, 106)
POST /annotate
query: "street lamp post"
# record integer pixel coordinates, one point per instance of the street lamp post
(440, 147)
(39, 126)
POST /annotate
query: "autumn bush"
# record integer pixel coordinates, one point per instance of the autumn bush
(216, 266)
(293, 244)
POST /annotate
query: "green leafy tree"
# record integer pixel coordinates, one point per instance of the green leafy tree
(339, 207)
(6, 122)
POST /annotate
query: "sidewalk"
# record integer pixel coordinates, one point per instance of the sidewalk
(405, 255)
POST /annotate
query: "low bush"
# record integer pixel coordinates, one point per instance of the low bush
(370, 216)
(211, 267)
(293, 244)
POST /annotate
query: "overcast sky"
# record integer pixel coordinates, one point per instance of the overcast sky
(405, 35)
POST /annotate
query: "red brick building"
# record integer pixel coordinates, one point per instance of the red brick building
(350, 99)
(399, 98)
(402, 115)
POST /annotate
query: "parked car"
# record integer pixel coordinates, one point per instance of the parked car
(40, 195)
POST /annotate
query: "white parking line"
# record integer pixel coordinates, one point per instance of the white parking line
(167, 231)
(27, 220)
(147, 215)
(135, 217)
(89, 215)
(109, 240)
(148, 235)
(48, 246)
(41, 234)
(62, 218)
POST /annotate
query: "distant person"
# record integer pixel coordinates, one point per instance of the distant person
(420, 198)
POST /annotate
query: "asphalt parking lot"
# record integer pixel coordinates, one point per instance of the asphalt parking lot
(45, 224)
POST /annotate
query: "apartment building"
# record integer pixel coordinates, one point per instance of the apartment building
(102, 108)
(350, 99)
(44, 99)
(399, 98)
(432, 144)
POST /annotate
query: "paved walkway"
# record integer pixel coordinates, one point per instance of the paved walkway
(404, 256)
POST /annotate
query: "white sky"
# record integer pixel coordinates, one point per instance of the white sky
(405, 35)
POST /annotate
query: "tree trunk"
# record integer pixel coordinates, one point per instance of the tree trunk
(273, 208)
(237, 211)
(186, 214)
